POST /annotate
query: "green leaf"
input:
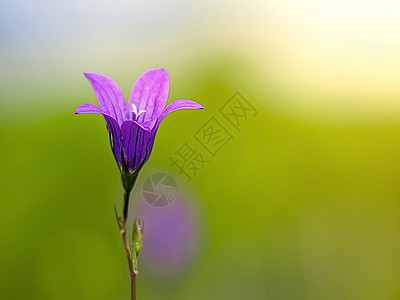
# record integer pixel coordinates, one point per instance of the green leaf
(120, 221)
(137, 236)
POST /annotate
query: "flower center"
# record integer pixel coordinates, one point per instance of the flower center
(136, 112)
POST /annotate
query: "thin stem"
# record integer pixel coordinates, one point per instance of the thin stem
(133, 287)
(127, 247)
(126, 205)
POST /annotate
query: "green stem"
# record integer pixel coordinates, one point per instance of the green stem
(126, 206)
(133, 287)
(127, 247)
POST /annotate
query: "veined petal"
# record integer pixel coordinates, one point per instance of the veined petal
(150, 144)
(136, 142)
(177, 104)
(109, 95)
(88, 108)
(150, 93)
(115, 139)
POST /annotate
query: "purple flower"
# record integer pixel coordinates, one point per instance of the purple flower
(133, 127)
(173, 235)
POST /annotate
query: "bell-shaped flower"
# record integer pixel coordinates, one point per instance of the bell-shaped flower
(133, 126)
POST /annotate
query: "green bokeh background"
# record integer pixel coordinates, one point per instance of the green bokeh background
(303, 203)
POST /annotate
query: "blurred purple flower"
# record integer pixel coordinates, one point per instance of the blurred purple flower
(172, 235)
(133, 127)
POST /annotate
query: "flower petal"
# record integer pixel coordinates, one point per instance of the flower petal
(115, 139)
(109, 95)
(88, 108)
(137, 144)
(177, 104)
(150, 93)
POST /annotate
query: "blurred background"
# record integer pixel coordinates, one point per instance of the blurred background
(301, 202)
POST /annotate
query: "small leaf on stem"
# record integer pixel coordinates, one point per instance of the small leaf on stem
(137, 236)
(120, 221)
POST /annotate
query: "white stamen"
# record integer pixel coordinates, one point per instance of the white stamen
(142, 111)
(135, 111)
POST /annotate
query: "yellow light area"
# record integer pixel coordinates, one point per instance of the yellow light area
(347, 47)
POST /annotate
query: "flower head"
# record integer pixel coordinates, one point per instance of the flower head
(133, 126)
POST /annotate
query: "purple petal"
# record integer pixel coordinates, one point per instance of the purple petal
(109, 95)
(150, 93)
(150, 143)
(116, 138)
(178, 104)
(88, 108)
(137, 143)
